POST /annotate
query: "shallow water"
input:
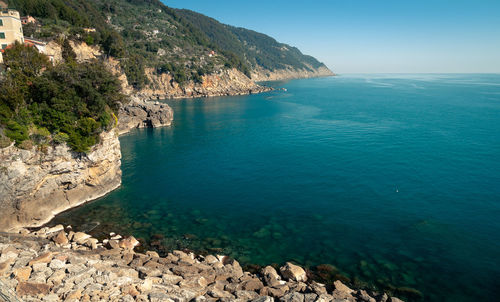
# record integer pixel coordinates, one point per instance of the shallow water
(393, 179)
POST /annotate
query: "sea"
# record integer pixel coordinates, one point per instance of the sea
(389, 181)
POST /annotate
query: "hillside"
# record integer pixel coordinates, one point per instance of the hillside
(258, 51)
(147, 34)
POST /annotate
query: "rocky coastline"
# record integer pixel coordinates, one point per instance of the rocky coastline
(57, 264)
(37, 184)
(261, 75)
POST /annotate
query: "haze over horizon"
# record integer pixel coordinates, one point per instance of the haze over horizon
(365, 36)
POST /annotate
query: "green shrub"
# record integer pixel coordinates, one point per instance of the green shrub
(60, 138)
(75, 102)
(16, 132)
(40, 135)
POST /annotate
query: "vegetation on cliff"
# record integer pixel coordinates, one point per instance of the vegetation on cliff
(69, 102)
(146, 33)
(255, 49)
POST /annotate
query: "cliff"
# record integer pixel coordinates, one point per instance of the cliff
(222, 83)
(35, 185)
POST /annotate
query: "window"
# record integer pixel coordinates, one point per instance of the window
(4, 46)
(2, 35)
(1, 22)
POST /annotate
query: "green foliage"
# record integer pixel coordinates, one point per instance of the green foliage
(25, 59)
(60, 138)
(243, 47)
(67, 51)
(74, 102)
(16, 132)
(134, 69)
(40, 135)
(146, 33)
(113, 44)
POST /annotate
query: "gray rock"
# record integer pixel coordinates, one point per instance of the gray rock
(56, 264)
(143, 114)
(310, 297)
(292, 297)
(171, 279)
(246, 295)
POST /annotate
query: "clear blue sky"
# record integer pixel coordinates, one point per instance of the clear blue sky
(374, 36)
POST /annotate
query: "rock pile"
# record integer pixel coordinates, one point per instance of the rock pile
(57, 264)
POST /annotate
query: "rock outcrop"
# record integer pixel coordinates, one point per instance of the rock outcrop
(143, 114)
(223, 83)
(38, 267)
(37, 184)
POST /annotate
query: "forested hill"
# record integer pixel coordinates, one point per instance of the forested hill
(147, 33)
(255, 49)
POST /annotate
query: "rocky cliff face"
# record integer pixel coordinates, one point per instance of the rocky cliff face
(260, 75)
(36, 185)
(223, 83)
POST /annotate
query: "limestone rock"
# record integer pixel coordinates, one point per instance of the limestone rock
(60, 238)
(36, 185)
(22, 274)
(57, 228)
(43, 258)
(293, 272)
(128, 243)
(32, 289)
(80, 237)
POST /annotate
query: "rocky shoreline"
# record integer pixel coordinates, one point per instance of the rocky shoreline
(57, 264)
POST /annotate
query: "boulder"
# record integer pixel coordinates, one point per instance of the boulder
(270, 275)
(60, 238)
(293, 272)
(43, 258)
(80, 237)
(32, 289)
(293, 297)
(22, 274)
(342, 291)
(252, 285)
(128, 243)
(57, 228)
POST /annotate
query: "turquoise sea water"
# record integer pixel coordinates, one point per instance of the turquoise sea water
(393, 179)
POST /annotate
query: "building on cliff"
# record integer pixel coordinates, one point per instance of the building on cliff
(11, 28)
